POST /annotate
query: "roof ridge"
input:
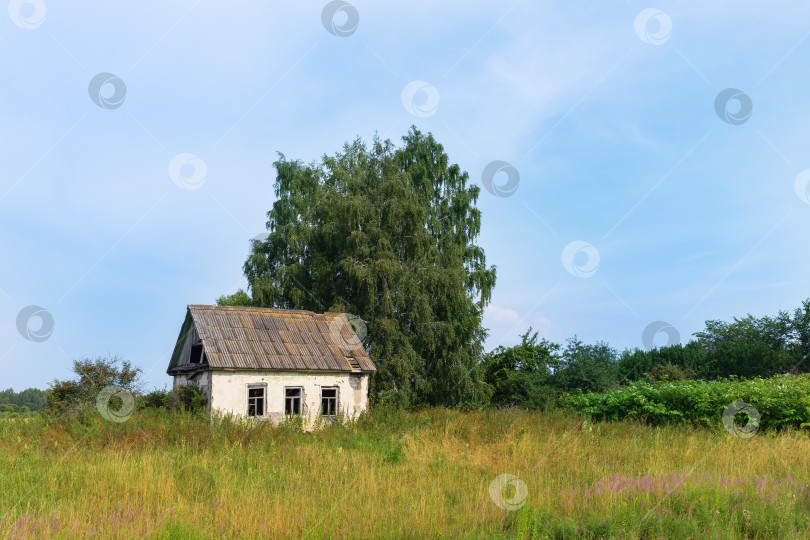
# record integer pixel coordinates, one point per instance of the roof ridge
(250, 308)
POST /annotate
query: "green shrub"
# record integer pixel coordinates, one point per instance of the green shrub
(187, 398)
(782, 401)
(156, 399)
(527, 390)
(671, 372)
(92, 376)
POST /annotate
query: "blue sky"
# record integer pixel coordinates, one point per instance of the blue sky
(606, 112)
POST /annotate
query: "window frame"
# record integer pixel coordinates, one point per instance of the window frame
(248, 398)
(336, 399)
(299, 397)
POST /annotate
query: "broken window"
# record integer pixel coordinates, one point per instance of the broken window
(329, 398)
(256, 397)
(292, 401)
(196, 353)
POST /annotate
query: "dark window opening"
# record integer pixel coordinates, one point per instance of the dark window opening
(292, 401)
(329, 401)
(196, 353)
(255, 401)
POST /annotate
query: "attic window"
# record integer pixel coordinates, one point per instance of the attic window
(196, 353)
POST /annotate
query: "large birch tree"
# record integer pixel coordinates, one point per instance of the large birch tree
(388, 234)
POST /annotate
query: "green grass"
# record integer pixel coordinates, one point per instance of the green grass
(399, 475)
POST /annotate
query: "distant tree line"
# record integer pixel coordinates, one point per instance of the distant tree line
(535, 372)
(30, 400)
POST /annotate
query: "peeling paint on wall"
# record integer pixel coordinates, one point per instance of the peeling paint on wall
(227, 392)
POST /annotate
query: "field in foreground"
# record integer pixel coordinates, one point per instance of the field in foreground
(427, 474)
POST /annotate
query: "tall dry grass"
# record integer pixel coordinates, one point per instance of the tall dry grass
(398, 475)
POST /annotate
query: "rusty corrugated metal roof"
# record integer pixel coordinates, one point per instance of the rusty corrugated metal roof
(274, 339)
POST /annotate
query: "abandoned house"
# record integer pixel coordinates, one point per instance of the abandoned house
(272, 363)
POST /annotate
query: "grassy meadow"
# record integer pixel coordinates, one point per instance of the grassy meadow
(399, 475)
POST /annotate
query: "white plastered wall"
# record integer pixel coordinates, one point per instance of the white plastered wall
(229, 390)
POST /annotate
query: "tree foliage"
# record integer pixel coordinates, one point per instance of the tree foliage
(531, 373)
(32, 399)
(92, 376)
(635, 364)
(743, 347)
(535, 372)
(522, 375)
(591, 367)
(186, 397)
(387, 234)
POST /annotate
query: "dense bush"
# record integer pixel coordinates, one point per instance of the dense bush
(587, 367)
(535, 372)
(745, 347)
(782, 401)
(670, 372)
(187, 398)
(522, 375)
(77, 397)
(635, 364)
(92, 376)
